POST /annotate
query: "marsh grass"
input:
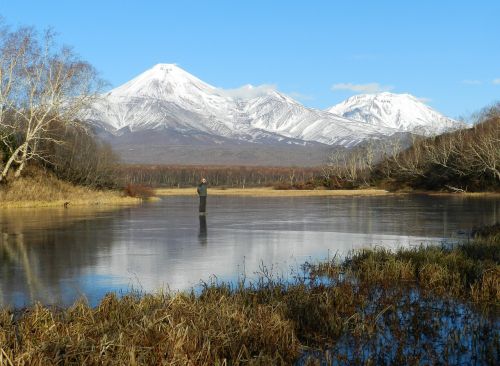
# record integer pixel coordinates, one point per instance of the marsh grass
(427, 305)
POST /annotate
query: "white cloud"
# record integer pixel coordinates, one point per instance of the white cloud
(249, 91)
(362, 88)
(471, 82)
(496, 81)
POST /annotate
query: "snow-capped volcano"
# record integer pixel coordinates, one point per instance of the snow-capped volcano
(167, 97)
(163, 96)
(164, 81)
(167, 106)
(403, 112)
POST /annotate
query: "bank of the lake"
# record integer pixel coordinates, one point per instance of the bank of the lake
(271, 192)
(422, 305)
(45, 190)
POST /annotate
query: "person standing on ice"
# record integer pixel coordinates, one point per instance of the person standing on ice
(202, 193)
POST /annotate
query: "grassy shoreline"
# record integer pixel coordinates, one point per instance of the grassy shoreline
(45, 190)
(116, 198)
(415, 306)
(271, 192)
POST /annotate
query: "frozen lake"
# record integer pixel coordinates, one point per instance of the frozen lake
(57, 255)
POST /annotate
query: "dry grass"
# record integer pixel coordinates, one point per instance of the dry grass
(415, 306)
(44, 190)
(149, 330)
(271, 192)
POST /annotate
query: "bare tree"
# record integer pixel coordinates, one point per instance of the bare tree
(41, 84)
(483, 150)
(460, 160)
(353, 165)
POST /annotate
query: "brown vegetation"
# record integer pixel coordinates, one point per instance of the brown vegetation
(432, 305)
(137, 190)
(39, 187)
(351, 168)
(461, 161)
(309, 185)
(81, 158)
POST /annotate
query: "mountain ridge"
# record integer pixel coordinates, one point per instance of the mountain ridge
(169, 99)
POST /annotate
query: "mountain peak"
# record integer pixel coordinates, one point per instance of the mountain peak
(166, 69)
(383, 96)
(164, 66)
(162, 81)
(404, 112)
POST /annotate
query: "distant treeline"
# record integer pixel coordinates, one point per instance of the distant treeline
(222, 176)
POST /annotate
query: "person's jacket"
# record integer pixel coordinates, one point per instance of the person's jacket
(202, 190)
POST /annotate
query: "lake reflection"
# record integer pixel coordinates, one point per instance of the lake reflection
(57, 255)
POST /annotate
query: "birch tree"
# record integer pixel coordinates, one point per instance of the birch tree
(41, 84)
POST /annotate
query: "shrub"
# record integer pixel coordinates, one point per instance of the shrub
(283, 186)
(139, 191)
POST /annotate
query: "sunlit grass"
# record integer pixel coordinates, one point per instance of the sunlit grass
(45, 190)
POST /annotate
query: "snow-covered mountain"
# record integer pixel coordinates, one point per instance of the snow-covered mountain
(403, 112)
(167, 97)
(166, 107)
(164, 96)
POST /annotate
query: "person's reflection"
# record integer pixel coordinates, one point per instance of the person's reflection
(202, 235)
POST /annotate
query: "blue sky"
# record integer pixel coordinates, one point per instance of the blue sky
(320, 52)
